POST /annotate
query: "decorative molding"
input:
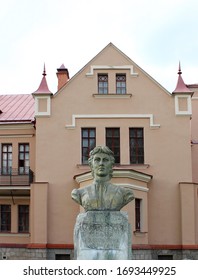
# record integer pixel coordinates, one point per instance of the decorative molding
(107, 67)
(15, 188)
(46, 113)
(17, 136)
(131, 174)
(16, 126)
(14, 234)
(113, 116)
(189, 106)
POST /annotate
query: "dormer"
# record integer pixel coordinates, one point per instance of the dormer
(42, 98)
(182, 96)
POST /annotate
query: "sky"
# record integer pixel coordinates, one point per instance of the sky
(155, 34)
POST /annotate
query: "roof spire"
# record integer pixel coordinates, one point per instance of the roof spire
(43, 87)
(179, 70)
(44, 72)
(181, 86)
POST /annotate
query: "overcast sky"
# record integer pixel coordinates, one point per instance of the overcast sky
(155, 34)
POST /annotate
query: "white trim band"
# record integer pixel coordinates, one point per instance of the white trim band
(107, 67)
(113, 116)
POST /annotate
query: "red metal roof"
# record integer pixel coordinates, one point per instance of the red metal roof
(43, 87)
(181, 86)
(16, 108)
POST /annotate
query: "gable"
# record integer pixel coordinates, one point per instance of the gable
(144, 97)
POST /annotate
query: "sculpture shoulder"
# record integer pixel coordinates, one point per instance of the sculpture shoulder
(75, 194)
(127, 193)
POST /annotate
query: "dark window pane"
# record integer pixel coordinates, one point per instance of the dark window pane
(88, 142)
(23, 218)
(5, 218)
(24, 158)
(113, 142)
(137, 214)
(136, 140)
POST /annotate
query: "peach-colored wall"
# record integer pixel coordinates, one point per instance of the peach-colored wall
(167, 149)
(194, 135)
(39, 213)
(55, 154)
(15, 135)
(188, 213)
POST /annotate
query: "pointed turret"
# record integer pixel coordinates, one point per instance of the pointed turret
(181, 86)
(43, 87)
(182, 95)
(42, 98)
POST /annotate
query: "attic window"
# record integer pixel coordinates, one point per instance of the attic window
(121, 83)
(102, 83)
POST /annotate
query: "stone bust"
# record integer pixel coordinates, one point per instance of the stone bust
(102, 195)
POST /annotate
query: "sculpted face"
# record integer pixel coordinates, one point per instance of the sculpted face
(101, 165)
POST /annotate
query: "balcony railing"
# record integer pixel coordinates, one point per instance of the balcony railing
(15, 177)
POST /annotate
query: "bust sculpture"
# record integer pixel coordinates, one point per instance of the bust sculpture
(102, 195)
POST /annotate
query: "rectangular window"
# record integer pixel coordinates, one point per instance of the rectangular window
(88, 142)
(23, 218)
(137, 214)
(5, 218)
(121, 83)
(113, 142)
(6, 158)
(24, 159)
(102, 83)
(136, 140)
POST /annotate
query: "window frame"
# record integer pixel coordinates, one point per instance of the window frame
(138, 210)
(113, 147)
(103, 86)
(90, 146)
(23, 167)
(121, 89)
(7, 213)
(136, 157)
(23, 218)
(6, 168)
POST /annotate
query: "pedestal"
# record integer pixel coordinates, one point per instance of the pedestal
(102, 235)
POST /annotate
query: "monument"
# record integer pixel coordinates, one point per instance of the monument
(102, 231)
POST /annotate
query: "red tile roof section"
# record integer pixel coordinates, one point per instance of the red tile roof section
(17, 108)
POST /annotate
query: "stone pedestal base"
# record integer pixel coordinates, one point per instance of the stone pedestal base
(102, 235)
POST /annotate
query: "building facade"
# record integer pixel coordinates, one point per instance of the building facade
(45, 142)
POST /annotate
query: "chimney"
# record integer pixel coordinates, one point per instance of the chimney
(62, 75)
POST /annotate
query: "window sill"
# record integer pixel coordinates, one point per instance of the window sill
(117, 166)
(132, 166)
(140, 233)
(113, 95)
(11, 234)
